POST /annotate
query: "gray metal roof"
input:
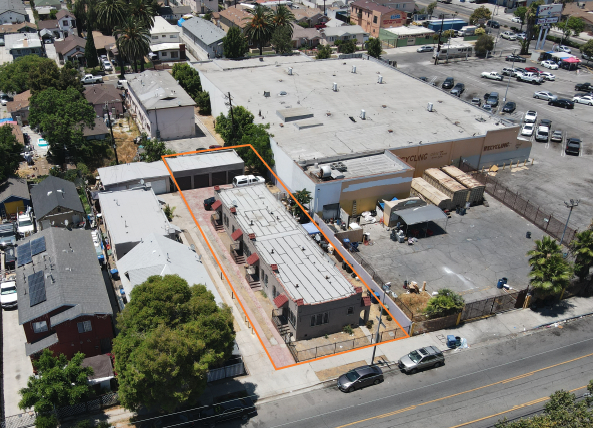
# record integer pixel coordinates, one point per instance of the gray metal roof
(14, 187)
(125, 172)
(54, 192)
(40, 345)
(72, 276)
(12, 5)
(204, 30)
(157, 255)
(203, 161)
(132, 214)
(421, 214)
(304, 270)
(158, 89)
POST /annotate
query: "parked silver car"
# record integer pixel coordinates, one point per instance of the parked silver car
(359, 378)
(429, 356)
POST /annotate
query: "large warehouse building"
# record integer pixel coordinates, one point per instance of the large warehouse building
(371, 126)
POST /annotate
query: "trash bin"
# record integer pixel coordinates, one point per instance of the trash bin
(374, 298)
(528, 235)
(451, 341)
(500, 284)
(504, 280)
(402, 239)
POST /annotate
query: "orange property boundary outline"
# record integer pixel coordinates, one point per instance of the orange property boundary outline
(227, 278)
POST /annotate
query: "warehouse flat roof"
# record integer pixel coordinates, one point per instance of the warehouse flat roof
(134, 171)
(396, 112)
(204, 160)
(364, 166)
(304, 270)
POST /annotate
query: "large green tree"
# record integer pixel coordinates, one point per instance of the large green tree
(111, 13)
(154, 149)
(431, 7)
(282, 17)
(550, 272)
(133, 41)
(544, 249)
(259, 26)
(258, 136)
(170, 336)
(582, 249)
(45, 75)
(481, 12)
(346, 47)
(14, 76)
(234, 44)
(530, 21)
(80, 13)
(188, 77)
(484, 44)
(281, 40)
(587, 48)
(90, 52)
(520, 13)
(374, 47)
(232, 126)
(62, 116)
(303, 197)
(143, 11)
(58, 383)
(572, 26)
(10, 152)
(324, 52)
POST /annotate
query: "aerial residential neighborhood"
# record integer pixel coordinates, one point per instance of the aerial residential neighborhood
(296, 213)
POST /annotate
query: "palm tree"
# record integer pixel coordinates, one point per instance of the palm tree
(582, 248)
(111, 13)
(552, 277)
(143, 11)
(283, 17)
(133, 42)
(544, 250)
(259, 26)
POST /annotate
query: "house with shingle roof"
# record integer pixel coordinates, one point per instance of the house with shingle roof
(56, 203)
(204, 34)
(233, 16)
(62, 296)
(66, 21)
(104, 98)
(14, 197)
(19, 107)
(13, 11)
(70, 48)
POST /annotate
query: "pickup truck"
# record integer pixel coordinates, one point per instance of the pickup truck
(491, 75)
(530, 77)
(247, 180)
(89, 78)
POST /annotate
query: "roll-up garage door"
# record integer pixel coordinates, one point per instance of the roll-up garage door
(159, 186)
(184, 182)
(233, 174)
(219, 178)
(201, 180)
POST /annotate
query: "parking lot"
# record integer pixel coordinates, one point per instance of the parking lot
(554, 177)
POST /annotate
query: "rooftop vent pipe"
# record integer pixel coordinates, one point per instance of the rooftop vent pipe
(354, 69)
(379, 79)
(335, 87)
(290, 71)
(363, 114)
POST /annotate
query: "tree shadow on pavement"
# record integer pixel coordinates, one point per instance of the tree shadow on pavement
(552, 307)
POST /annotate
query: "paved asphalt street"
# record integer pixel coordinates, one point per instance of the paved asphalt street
(477, 386)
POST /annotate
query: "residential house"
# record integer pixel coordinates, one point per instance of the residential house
(136, 174)
(62, 297)
(14, 197)
(305, 37)
(583, 10)
(373, 16)
(204, 34)
(169, 52)
(311, 295)
(99, 132)
(13, 11)
(200, 6)
(163, 32)
(56, 4)
(102, 371)
(19, 107)
(102, 42)
(157, 255)
(71, 48)
(23, 44)
(56, 203)
(66, 21)
(310, 16)
(160, 105)
(22, 27)
(174, 13)
(233, 16)
(105, 99)
(50, 28)
(130, 215)
(347, 32)
(407, 6)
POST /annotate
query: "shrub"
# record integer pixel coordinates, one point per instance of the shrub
(389, 318)
(446, 302)
(43, 421)
(263, 293)
(348, 329)
(369, 324)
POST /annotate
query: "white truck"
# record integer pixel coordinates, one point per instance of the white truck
(89, 78)
(24, 223)
(468, 30)
(491, 75)
(534, 78)
(542, 133)
(247, 180)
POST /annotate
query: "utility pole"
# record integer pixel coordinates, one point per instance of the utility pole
(510, 75)
(230, 104)
(385, 287)
(436, 58)
(570, 205)
(111, 129)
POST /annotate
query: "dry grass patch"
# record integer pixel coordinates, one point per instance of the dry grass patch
(415, 302)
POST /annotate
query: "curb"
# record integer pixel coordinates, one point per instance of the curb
(563, 320)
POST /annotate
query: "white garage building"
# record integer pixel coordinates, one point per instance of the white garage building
(128, 175)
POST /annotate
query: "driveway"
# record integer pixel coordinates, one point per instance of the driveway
(50, 51)
(17, 366)
(5, 56)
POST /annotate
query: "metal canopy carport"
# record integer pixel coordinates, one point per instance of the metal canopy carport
(412, 216)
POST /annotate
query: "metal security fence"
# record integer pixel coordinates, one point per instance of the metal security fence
(233, 370)
(547, 222)
(493, 305)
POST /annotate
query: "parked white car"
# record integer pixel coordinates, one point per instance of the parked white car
(527, 129)
(548, 76)
(549, 64)
(8, 297)
(516, 19)
(563, 48)
(530, 116)
(584, 99)
(491, 75)
(509, 35)
(544, 95)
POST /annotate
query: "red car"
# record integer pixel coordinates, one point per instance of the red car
(533, 70)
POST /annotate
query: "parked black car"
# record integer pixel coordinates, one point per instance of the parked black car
(458, 89)
(561, 102)
(515, 58)
(509, 107)
(587, 87)
(573, 146)
(492, 99)
(545, 122)
(240, 408)
(493, 24)
(448, 83)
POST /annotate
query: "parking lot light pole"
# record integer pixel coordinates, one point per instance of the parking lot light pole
(504, 100)
(573, 203)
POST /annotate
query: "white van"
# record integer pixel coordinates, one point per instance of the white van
(247, 180)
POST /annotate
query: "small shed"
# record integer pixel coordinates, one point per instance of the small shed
(476, 189)
(429, 193)
(390, 207)
(14, 197)
(449, 186)
(102, 371)
(129, 175)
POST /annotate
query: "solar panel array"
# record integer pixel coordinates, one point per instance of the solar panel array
(36, 288)
(23, 254)
(37, 246)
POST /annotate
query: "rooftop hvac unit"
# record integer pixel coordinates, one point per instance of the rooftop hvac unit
(363, 114)
(335, 87)
(266, 94)
(379, 79)
(429, 107)
(325, 172)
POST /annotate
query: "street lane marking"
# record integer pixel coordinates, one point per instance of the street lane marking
(466, 392)
(515, 407)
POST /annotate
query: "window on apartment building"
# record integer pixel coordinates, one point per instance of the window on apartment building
(174, 55)
(313, 321)
(65, 23)
(320, 319)
(374, 19)
(350, 310)
(39, 327)
(163, 53)
(291, 317)
(274, 294)
(233, 229)
(155, 37)
(266, 280)
(246, 251)
(173, 36)
(163, 36)
(84, 326)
